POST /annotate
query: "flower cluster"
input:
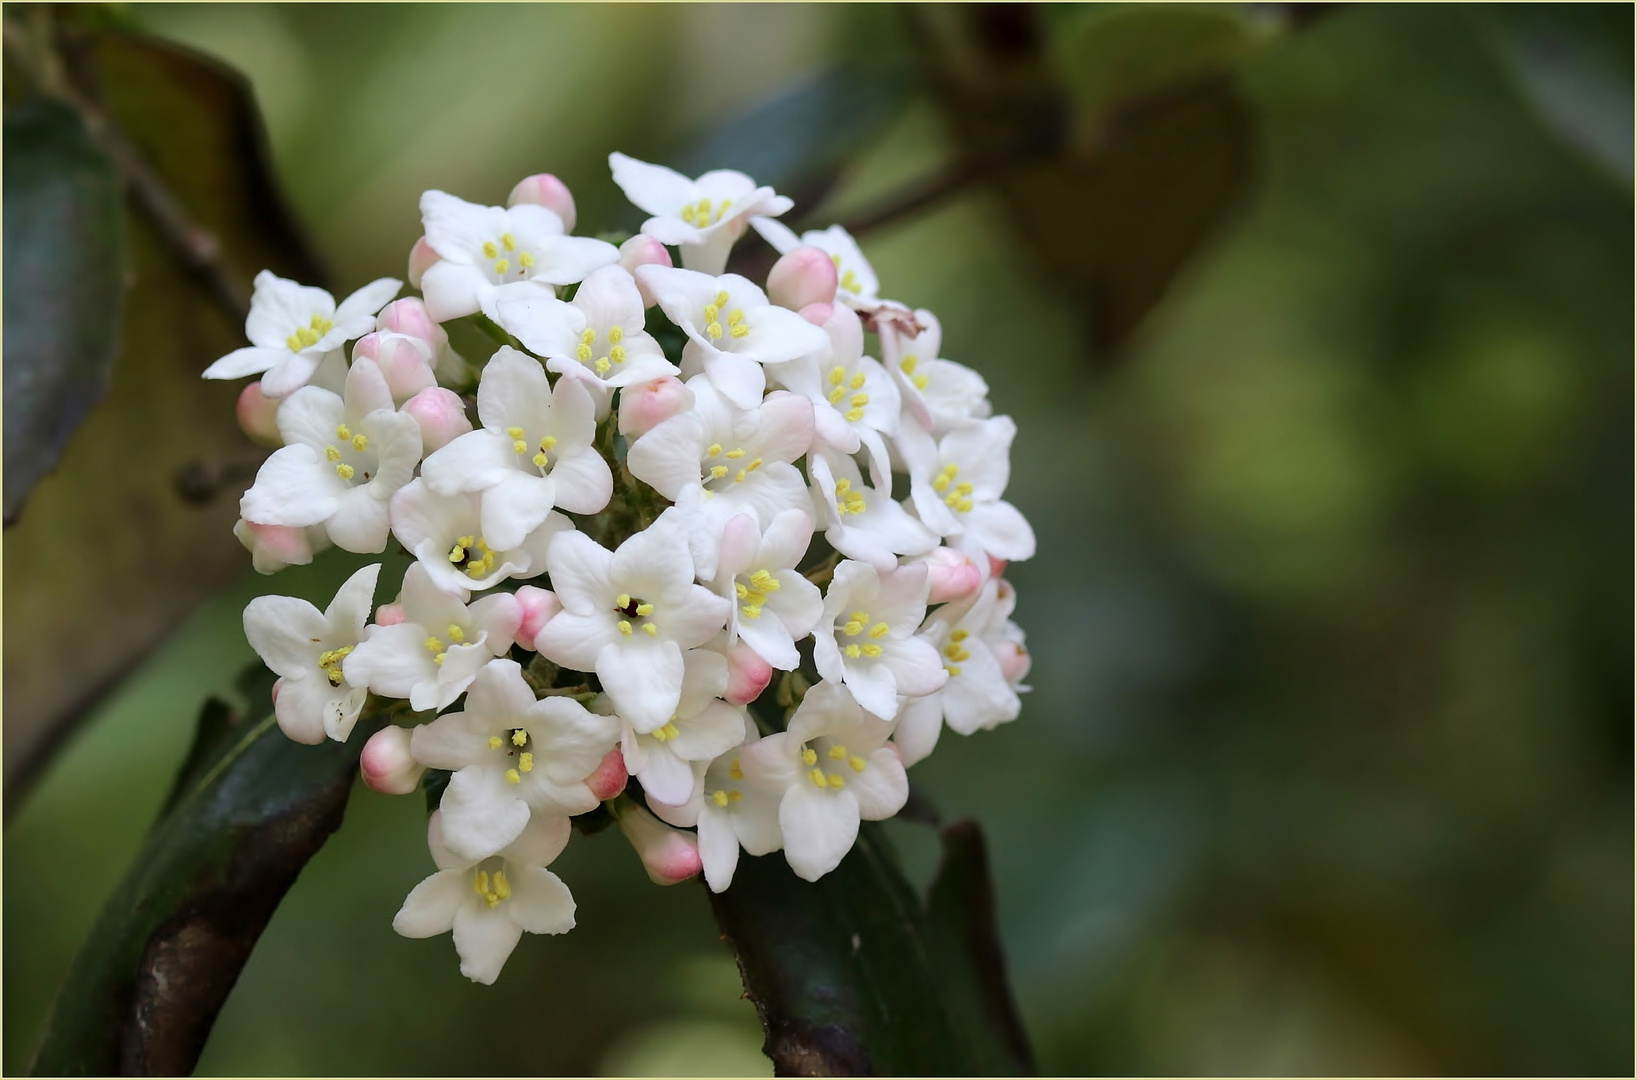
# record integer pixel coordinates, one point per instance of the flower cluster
(658, 444)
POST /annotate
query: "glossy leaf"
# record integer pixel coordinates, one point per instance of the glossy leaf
(249, 809)
(64, 243)
(852, 976)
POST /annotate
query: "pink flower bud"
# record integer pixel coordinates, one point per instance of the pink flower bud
(421, 257)
(537, 607)
(288, 544)
(1014, 661)
(997, 567)
(748, 675)
(610, 777)
(951, 575)
(645, 405)
(405, 361)
(386, 764)
(544, 189)
(258, 415)
(389, 615)
(441, 414)
(802, 276)
(669, 855)
(817, 314)
(643, 250)
(408, 315)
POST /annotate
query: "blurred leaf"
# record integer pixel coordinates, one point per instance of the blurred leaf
(249, 810)
(64, 240)
(107, 555)
(852, 977)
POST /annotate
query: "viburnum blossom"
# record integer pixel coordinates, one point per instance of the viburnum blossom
(723, 614)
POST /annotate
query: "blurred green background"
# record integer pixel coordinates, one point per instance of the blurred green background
(1328, 763)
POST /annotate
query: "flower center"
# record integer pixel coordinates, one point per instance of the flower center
(957, 496)
(472, 554)
(723, 796)
(492, 887)
(736, 325)
(752, 592)
(849, 387)
(587, 350)
(848, 501)
(351, 455)
(907, 366)
(703, 214)
(860, 637)
(506, 260)
(437, 647)
(848, 280)
(329, 662)
(542, 458)
(307, 336)
(954, 653)
(836, 753)
(633, 609)
(514, 745)
(718, 465)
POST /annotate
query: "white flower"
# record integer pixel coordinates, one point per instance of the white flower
(773, 605)
(486, 251)
(731, 809)
(533, 452)
(866, 636)
(836, 768)
(432, 656)
(937, 393)
(511, 756)
(292, 328)
(864, 521)
(732, 329)
(715, 461)
(490, 903)
(956, 484)
(704, 216)
(343, 458)
(854, 399)
(598, 337)
(701, 728)
(967, 634)
(856, 283)
(445, 533)
(306, 648)
(628, 615)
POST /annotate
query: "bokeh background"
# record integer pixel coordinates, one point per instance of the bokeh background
(1328, 762)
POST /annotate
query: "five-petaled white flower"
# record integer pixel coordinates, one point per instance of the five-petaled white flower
(702, 217)
(730, 809)
(866, 636)
(533, 452)
(956, 485)
(863, 521)
(343, 458)
(732, 329)
(445, 533)
(701, 728)
(485, 252)
(511, 755)
(490, 903)
(854, 399)
(306, 649)
(431, 657)
(937, 393)
(628, 615)
(773, 605)
(292, 328)
(836, 767)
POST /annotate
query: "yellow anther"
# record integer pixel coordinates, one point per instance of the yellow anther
(857, 763)
(645, 610)
(752, 611)
(343, 432)
(713, 330)
(508, 242)
(496, 742)
(711, 312)
(736, 453)
(958, 635)
(334, 675)
(503, 888)
(465, 541)
(852, 652)
(583, 353)
(718, 471)
(525, 761)
(520, 737)
(722, 298)
(719, 797)
(764, 581)
(735, 771)
(837, 782)
(332, 453)
(735, 796)
(809, 756)
(705, 210)
(880, 630)
(740, 330)
(623, 600)
(480, 884)
(852, 628)
(650, 629)
(859, 400)
(940, 483)
(854, 415)
(519, 446)
(872, 651)
(502, 265)
(513, 776)
(344, 471)
(842, 485)
(964, 505)
(489, 249)
(625, 628)
(907, 364)
(857, 381)
(541, 460)
(740, 590)
(736, 316)
(755, 464)
(963, 488)
(433, 645)
(549, 442)
(514, 432)
(306, 337)
(475, 570)
(920, 382)
(360, 442)
(603, 365)
(690, 215)
(713, 449)
(616, 334)
(838, 375)
(439, 659)
(817, 776)
(526, 260)
(293, 342)
(952, 669)
(837, 752)
(587, 336)
(837, 394)
(739, 477)
(956, 653)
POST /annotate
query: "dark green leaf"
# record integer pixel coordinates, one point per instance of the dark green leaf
(249, 810)
(65, 246)
(852, 977)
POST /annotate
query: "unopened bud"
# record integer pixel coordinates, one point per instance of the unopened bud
(544, 189)
(273, 547)
(817, 314)
(408, 315)
(1014, 661)
(644, 405)
(537, 606)
(389, 614)
(748, 675)
(846, 332)
(387, 765)
(421, 258)
(405, 361)
(997, 567)
(610, 777)
(441, 415)
(258, 415)
(669, 855)
(643, 250)
(951, 575)
(802, 276)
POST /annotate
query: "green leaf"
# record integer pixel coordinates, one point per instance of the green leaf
(64, 240)
(852, 976)
(250, 808)
(109, 553)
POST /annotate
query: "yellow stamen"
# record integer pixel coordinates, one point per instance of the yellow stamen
(645, 610)
(616, 334)
(720, 798)
(809, 756)
(625, 628)
(513, 776)
(837, 782)
(880, 630)
(857, 763)
(344, 471)
(489, 249)
(817, 776)
(650, 629)
(496, 742)
(525, 761)
(332, 453)
(735, 771)
(508, 242)
(837, 752)
(520, 737)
